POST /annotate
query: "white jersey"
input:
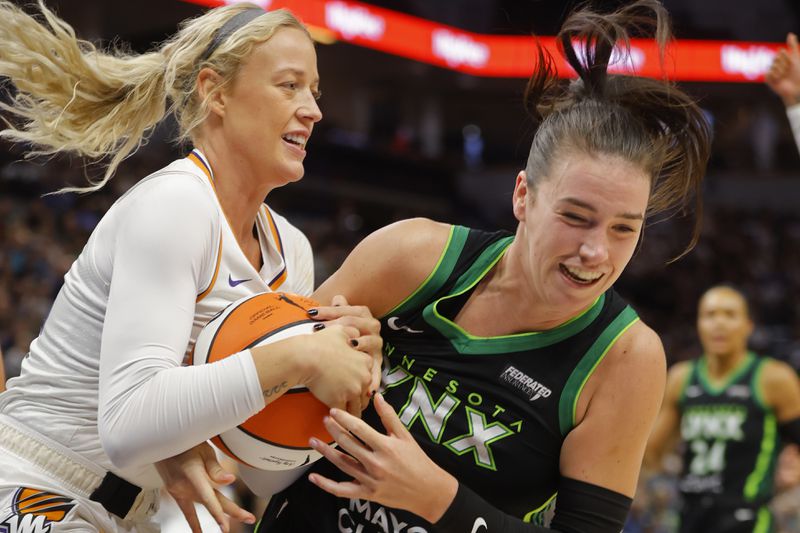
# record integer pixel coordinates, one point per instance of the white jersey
(105, 376)
(793, 112)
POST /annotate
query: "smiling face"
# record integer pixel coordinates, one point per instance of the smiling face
(270, 108)
(723, 322)
(579, 228)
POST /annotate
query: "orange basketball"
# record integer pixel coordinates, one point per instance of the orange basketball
(275, 438)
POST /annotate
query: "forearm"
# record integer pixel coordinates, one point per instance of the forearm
(581, 508)
(173, 409)
(2, 373)
(164, 412)
(281, 366)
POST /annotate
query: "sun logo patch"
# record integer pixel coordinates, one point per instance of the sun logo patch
(34, 511)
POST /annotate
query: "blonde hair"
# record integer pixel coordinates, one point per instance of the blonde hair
(72, 97)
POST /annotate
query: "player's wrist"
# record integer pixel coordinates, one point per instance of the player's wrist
(791, 100)
(305, 360)
(288, 359)
(442, 491)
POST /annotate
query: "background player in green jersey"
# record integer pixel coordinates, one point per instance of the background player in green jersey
(729, 408)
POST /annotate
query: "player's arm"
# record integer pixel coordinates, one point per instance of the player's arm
(2, 373)
(378, 274)
(605, 449)
(388, 265)
(666, 429)
(151, 407)
(780, 389)
(783, 76)
(600, 458)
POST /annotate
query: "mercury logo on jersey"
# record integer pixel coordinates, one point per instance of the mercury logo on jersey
(518, 379)
(34, 511)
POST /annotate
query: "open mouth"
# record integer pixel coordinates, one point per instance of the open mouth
(295, 140)
(579, 276)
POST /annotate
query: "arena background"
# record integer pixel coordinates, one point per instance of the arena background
(402, 138)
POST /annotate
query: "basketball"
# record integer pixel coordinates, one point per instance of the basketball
(276, 438)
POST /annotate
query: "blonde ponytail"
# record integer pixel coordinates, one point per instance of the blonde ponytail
(69, 96)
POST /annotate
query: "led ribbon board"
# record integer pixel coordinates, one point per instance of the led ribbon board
(511, 56)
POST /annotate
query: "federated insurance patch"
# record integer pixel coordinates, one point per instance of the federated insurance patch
(34, 511)
(525, 385)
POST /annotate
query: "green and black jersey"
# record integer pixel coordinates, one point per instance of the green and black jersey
(493, 411)
(730, 437)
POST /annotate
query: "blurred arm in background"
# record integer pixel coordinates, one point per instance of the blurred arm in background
(2, 373)
(783, 78)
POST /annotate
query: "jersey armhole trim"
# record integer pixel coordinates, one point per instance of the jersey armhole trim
(757, 387)
(568, 403)
(759, 481)
(447, 260)
(199, 161)
(216, 272)
(281, 276)
(686, 382)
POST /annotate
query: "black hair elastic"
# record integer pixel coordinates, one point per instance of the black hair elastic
(231, 25)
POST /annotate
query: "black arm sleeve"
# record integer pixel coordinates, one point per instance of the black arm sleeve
(581, 508)
(790, 431)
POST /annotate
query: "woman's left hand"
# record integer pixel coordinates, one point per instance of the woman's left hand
(192, 477)
(388, 469)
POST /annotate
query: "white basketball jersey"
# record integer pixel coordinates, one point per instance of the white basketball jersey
(144, 334)
(236, 278)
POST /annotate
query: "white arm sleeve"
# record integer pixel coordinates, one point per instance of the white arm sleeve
(793, 113)
(150, 407)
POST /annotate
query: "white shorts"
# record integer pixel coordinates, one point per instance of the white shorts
(36, 499)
